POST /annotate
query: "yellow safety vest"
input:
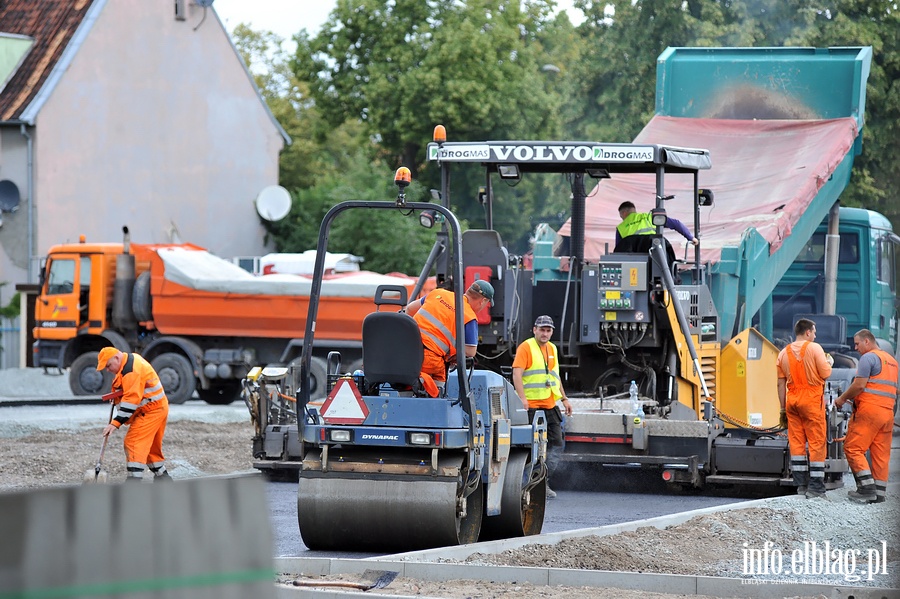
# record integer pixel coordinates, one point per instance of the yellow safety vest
(636, 223)
(541, 381)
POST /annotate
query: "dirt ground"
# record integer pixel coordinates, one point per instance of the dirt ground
(192, 448)
(710, 545)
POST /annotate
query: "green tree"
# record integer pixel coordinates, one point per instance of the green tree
(876, 171)
(403, 66)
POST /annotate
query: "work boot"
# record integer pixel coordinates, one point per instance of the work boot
(800, 472)
(134, 479)
(863, 494)
(816, 480)
(551, 494)
(865, 488)
(880, 491)
(164, 477)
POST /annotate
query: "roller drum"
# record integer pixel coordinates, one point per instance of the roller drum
(346, 511)
(522, 508)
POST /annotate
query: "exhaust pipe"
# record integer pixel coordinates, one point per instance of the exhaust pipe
(122, 311)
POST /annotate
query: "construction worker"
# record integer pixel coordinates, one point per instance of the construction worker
(535, 375)
(874, 394)
(436, 316)
(803, 367)
(142, 406)
(640, 223)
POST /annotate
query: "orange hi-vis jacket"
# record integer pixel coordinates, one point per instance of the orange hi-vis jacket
(437, 321)
(140, 388)
(881, 391)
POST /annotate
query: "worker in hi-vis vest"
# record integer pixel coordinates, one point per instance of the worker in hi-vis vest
(874, 395)
(535, 374)
(639, 223)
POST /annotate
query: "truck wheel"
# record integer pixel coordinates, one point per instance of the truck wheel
(85, 379)
(141, 303)
(221, 394)
(318, 377)
(176, 375)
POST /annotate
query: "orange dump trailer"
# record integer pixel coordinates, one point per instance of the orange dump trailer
(202, 321)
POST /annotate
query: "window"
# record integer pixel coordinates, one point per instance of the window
(814, 250)
(885, 262)
(61, 279)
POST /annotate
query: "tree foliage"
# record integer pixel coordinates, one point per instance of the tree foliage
(361, 96)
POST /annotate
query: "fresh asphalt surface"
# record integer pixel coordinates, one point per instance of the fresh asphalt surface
(586, 498)
(621, 497)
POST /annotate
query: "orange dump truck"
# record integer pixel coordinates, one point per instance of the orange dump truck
(201, 321)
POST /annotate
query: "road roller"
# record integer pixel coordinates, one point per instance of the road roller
(385, 465)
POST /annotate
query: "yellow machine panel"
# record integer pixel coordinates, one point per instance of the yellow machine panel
(748, 380)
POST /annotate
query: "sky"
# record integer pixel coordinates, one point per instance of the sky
(287, 17)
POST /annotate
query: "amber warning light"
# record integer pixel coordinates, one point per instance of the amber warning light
(440, 134)
(403, 177)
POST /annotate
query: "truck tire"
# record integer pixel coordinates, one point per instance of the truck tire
(141, 302)
(176, 375)
(85, 379)
(318, 377)
(221, 394)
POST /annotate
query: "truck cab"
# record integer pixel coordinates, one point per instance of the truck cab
(73, 300)
(867, 280)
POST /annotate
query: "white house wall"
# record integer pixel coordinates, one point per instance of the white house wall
(157, 127)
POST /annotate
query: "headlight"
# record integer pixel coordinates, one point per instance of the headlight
(420, 438)
(339, 436)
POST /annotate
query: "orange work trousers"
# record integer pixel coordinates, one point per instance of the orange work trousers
(433, 365)
(870, 430)
(806, 422)
(143, 441)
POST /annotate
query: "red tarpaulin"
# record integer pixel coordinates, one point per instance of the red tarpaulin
(764, 175)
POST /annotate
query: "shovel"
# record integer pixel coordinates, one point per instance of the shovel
(97, 474)
(378, 580)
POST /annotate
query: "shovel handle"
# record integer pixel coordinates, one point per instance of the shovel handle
(333, 583)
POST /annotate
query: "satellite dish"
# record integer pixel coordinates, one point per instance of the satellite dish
(273, 203)
(9, 196)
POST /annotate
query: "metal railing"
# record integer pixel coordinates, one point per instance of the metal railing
(9, 343)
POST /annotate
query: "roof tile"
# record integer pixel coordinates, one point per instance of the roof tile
(51, 23)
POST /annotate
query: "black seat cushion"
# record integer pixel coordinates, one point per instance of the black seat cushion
(392, 349)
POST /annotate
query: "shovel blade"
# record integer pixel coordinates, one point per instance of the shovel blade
(95, 476)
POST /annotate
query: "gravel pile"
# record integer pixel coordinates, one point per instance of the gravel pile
(784, 541)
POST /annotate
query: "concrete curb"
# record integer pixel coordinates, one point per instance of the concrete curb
(659, 583)
(425, 565)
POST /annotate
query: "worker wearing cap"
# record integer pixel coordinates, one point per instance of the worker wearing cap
(535, 375)
(874, 395)
(803, 367)
(436, 316)
(640, 223)
(142, 406)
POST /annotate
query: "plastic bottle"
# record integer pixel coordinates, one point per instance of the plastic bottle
(636, 407)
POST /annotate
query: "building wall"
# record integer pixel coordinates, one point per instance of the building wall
(14, 230)
(157, 127)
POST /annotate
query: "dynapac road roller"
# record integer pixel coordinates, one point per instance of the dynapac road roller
(385, 466)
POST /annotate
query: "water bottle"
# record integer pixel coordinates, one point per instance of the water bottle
(636, 407)
(359, 378)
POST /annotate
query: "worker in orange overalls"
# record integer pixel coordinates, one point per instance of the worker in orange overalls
(874, 394)
(803, 367)
(142, 406)
(436, 316)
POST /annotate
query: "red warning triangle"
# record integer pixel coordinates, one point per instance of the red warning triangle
(344, 404)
